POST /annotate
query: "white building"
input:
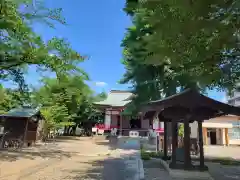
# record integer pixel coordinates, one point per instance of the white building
(235, 99)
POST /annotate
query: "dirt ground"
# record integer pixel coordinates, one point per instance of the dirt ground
(67, 158)
(86, 158)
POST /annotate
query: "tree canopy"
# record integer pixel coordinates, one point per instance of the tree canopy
(21, 47)
(66, 99)
(174, 45)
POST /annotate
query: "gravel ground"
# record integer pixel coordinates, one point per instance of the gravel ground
(70, 159)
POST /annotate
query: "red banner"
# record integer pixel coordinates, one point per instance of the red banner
(102, 126)
(159, 130)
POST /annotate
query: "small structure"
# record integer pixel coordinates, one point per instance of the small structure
(112, 107)
(224, 130)
(23, 123)
(186, 107)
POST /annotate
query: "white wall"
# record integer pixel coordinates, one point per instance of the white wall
(219, 136)
(234, 142)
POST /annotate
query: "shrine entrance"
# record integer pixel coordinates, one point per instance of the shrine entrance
(135, 123)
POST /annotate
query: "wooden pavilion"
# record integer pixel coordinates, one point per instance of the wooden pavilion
(186, 107)
(24, 123)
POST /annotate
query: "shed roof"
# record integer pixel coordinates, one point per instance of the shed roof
(116, 98)
(22, 112)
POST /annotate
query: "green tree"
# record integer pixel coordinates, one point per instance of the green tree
(181, 130)
(10, 98)
(20, 47)
(174, 45)
(196, 39)
(68, 96)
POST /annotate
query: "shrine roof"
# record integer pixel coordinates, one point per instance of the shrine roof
(116, 98)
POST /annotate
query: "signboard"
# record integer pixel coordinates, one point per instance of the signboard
(155, 123)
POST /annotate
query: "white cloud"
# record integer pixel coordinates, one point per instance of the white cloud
(100, 83)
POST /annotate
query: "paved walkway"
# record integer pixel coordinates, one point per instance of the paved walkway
(155, 171)
(127, 149)
(221, 172)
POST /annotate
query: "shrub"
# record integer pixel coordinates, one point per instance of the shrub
(145, 155)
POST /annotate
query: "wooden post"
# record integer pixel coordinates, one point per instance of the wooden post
(174, 144)
(187, 159)
(226, 136)
(120, 132)
(200, 136)
(165, 144)
(25, 132)
(176, 131)
(157, 143)
(204, 134)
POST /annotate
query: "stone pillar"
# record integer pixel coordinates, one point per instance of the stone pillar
(187, 159)
(174, 144)
(200, 136)
(165, 144)
(226, 136)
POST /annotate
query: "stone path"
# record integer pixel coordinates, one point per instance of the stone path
(130, 155)
(155, 171)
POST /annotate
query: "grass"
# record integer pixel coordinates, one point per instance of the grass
(144, 155)
(148, 155)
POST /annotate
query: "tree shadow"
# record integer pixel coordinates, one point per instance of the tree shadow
(65, 139)
(109, 168)
(14, 155)
(111, 145)
(48, 149)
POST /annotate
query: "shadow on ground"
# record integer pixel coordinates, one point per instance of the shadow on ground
(11, 155)
(66, 139)
(43, 150)
(104, 169)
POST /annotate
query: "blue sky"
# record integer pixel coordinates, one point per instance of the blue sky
(95, 28)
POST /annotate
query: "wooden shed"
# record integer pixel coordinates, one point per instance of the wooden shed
(23, 123)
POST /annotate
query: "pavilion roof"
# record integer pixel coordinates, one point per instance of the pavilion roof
(192, 100)
(24, 111)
